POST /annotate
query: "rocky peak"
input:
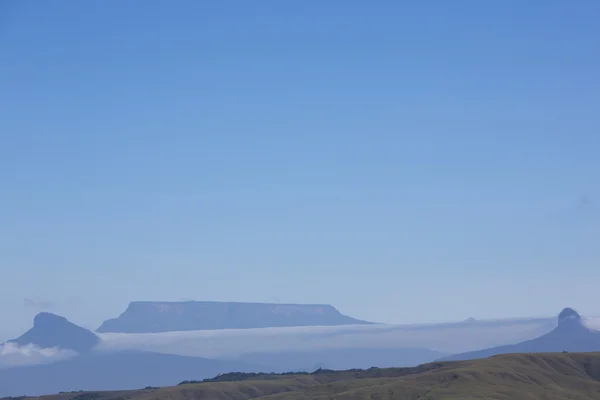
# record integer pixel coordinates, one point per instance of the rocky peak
(568, 316)
(50, 330)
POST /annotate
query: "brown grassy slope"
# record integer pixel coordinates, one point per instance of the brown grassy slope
(514, 376)
(524, 376)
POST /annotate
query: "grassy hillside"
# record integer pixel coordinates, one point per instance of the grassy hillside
(565, 376)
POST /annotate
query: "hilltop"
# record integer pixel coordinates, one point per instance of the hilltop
(154, 317)
(555, 376)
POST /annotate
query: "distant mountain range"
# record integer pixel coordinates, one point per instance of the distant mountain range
(570, 335)
(137, 360)
(153, 317)
(90, 368)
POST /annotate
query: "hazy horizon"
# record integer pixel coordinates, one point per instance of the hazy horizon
(15, 331)
(403, 162)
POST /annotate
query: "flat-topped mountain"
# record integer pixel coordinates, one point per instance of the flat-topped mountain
(153, 317)
(50, 330)
(570, 335)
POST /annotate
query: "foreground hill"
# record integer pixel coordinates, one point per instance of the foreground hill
(153, 317)
(556, 376)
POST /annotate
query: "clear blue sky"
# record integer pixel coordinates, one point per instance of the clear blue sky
(404, 161)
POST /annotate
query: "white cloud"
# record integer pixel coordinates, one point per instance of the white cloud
(13, 355)
(448, 338)
(592, 322)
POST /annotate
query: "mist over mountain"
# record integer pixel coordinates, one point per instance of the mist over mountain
(53, 338)
(90, 366)
(449, 338)
(571, 334)
(152, 317)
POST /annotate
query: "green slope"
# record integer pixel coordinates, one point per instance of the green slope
(562, 376)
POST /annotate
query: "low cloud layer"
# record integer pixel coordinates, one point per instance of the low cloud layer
(446, 338)
(13, 355)
(592, 322)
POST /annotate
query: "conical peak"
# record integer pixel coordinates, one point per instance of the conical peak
(567, 316)
(50, 330)
(48, 319)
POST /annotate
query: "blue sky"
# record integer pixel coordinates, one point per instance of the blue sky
(406, 162)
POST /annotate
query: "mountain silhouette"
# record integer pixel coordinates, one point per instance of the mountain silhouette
(571, 335)
(50, 330)
(153, 317)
